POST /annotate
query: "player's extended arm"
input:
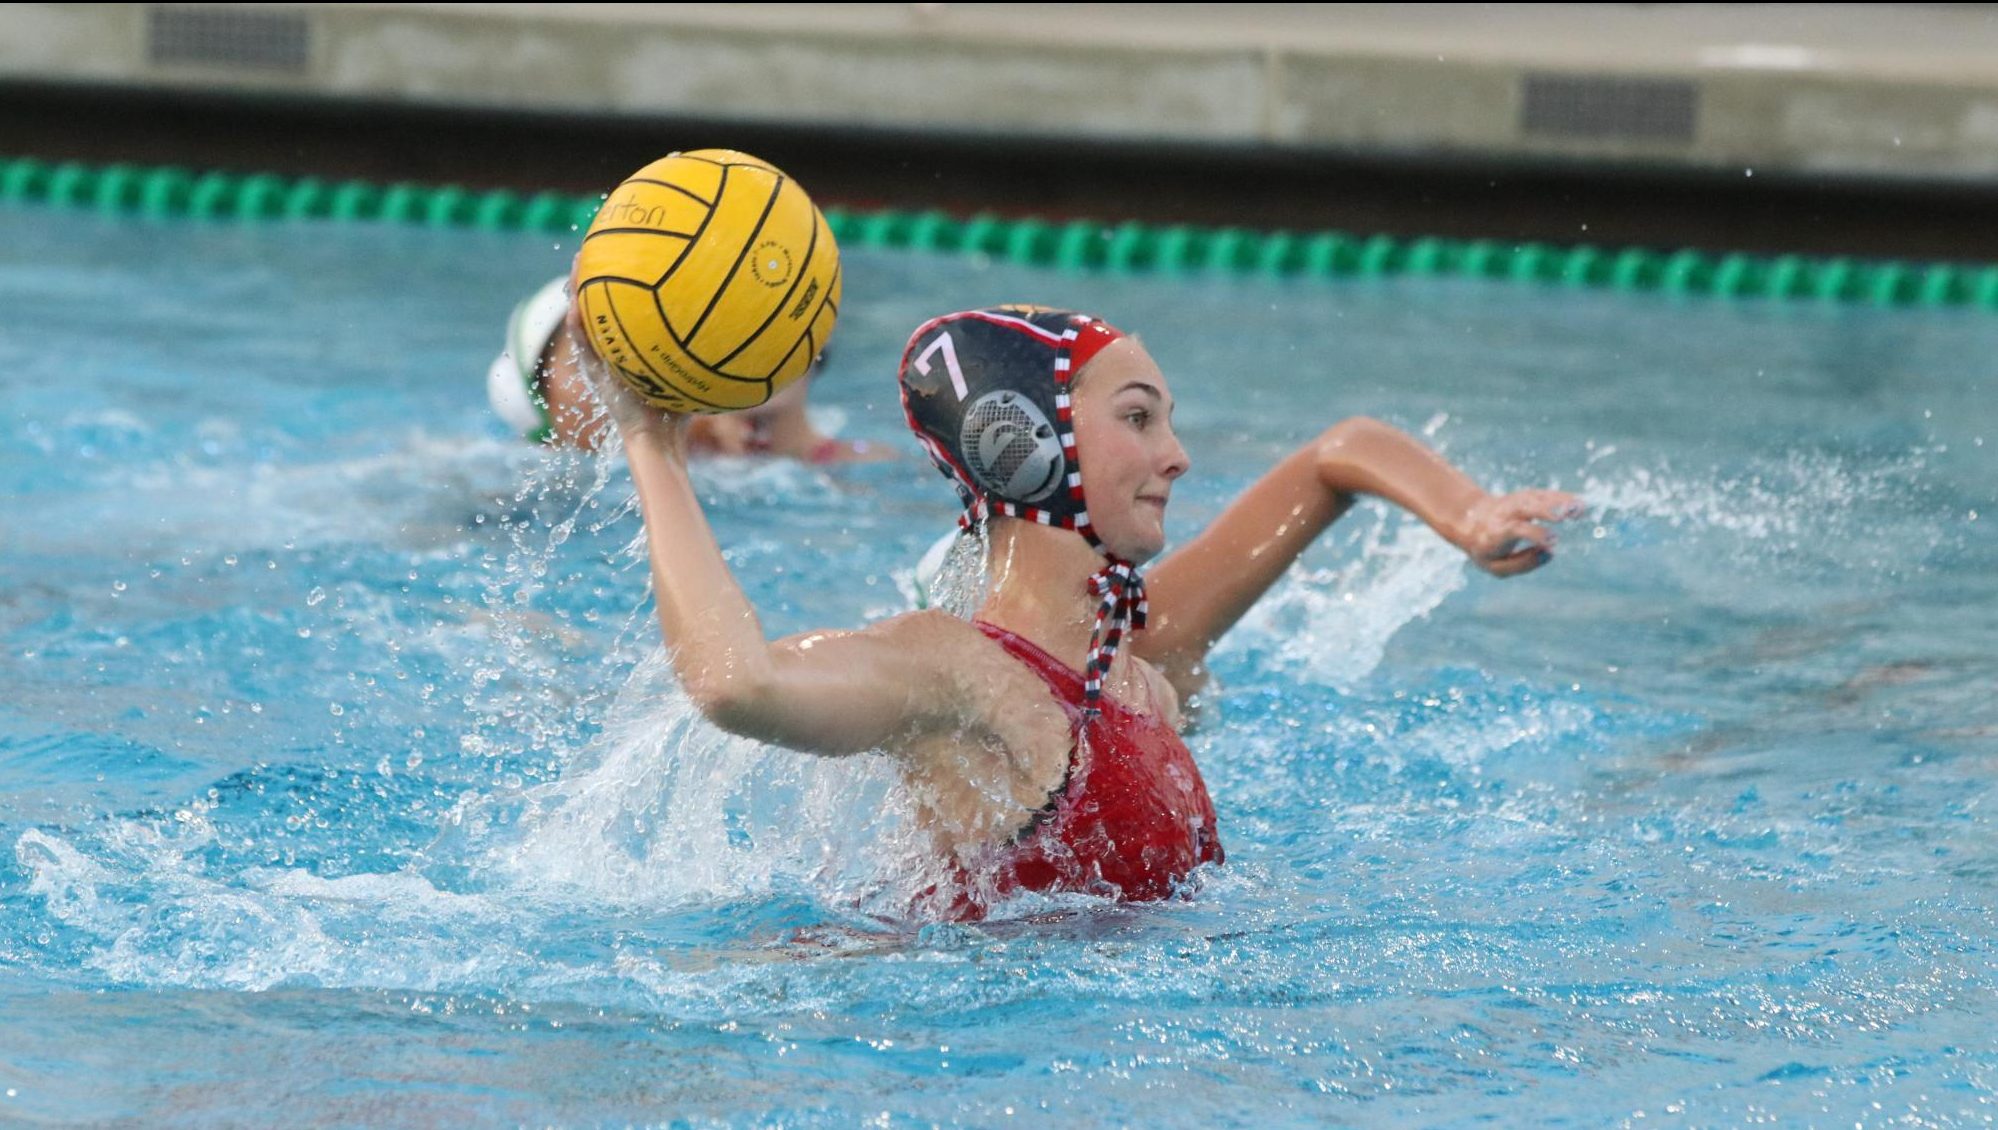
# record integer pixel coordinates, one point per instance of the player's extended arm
(826, 692)
(1199, 591)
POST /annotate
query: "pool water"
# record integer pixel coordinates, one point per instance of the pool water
(341, 780)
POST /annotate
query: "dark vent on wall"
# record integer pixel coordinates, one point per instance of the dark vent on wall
(1609, 108)
(248, 39)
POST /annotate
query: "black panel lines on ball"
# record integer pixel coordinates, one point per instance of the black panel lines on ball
(752, 163)
(793, 352)
(679, 253)
(629, 341)
(804, 269)
(640, 357)
(747, 243)
(686, 192)
(693, 241)
(825, 300)
(638, 231)
(659, 304)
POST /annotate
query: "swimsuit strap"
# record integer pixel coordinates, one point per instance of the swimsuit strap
(1060, 679)
(1064, 681)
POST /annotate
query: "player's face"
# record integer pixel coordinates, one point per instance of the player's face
(1129, 455)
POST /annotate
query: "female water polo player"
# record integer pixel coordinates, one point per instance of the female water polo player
(1040, 739)
(535, 385)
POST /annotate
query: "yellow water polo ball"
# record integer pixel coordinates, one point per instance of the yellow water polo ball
(708, 281)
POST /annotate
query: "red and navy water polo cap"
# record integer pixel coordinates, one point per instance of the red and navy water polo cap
(987, 394)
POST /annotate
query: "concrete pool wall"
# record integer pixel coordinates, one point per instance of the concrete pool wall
(1894, 91)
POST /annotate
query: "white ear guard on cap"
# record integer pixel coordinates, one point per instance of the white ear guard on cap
(1010, 447)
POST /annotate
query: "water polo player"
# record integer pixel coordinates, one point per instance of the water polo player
(536, 387)
(1040, 739)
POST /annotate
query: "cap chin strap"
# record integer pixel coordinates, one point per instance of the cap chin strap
(1120, 608)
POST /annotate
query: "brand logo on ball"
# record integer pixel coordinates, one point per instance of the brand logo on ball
(626, 211)
(1011, 448)
(805, 301)
(770, 263)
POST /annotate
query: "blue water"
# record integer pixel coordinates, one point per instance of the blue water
(341, 783)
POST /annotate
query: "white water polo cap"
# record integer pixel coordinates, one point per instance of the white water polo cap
(987, 394)
(513, 382)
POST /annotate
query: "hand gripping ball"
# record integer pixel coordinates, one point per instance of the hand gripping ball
(708, 281)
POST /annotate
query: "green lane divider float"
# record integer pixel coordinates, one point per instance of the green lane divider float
(167, 192)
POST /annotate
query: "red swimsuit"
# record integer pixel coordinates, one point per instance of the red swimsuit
(1132, 820)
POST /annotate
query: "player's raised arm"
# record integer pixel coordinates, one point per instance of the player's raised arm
(831, 692)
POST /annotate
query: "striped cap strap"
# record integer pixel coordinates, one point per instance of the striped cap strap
(1120, 608)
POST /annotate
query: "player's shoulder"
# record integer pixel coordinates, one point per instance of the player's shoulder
(928, 629)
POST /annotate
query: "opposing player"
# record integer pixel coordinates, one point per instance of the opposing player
(536, 386)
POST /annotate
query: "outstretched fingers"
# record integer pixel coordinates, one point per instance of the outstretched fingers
(1544, 505)
(1525, 541)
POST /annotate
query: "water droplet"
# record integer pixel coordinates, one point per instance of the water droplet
(315, 596)
(117, 586)
(336, 709)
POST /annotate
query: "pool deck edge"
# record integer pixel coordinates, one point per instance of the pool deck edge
(1863, 91)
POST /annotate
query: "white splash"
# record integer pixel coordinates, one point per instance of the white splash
(665, 810)
(1332, 625)
(1776, 498)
